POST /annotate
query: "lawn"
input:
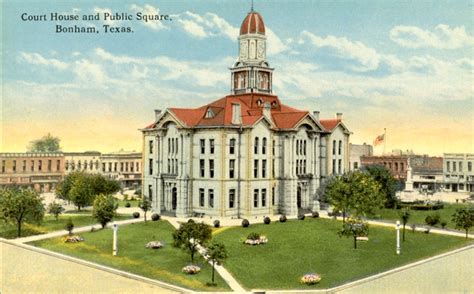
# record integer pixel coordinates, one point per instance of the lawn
(299, 247)
(163, 264)
(133, 203)
(418, 216)
(50, 224)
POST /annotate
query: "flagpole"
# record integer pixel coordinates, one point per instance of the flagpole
(384, 139)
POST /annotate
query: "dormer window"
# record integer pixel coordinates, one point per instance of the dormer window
(274, 104)
(209, 113)
(259, 102)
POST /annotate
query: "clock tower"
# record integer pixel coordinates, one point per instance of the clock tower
(252, 73)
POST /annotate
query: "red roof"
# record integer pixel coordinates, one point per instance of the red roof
(252, 24)
(330, 124)
(251, 109)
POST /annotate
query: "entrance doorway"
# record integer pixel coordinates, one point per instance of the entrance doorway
(298, 197)
(174, 198)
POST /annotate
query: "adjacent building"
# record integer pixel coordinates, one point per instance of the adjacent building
(41, 171)
(356, 152)
(397, 164)
(124, 167)
(458, 172)
(425, 174)
(246, 154)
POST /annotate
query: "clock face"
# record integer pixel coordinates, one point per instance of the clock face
(261, 50)
(243, 50)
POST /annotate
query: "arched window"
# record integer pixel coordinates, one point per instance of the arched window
(255, 146)
(340, 147)
(264, 146)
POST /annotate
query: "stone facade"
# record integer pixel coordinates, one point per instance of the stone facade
(458, 172)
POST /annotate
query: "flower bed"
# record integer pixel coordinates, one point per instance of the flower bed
(154, 245)
(73, 239)
(310, 279)
(191, 269)
(255, 239)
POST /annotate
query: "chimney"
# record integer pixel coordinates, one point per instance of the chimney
(236, 115)
(316, 114)
(157, 113)
(339, 116)
(267, 109)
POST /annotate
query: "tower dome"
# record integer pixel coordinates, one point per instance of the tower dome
(252, 24)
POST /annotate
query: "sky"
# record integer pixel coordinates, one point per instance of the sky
(406, 66)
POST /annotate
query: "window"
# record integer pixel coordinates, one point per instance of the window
(231, 168)
(33, 165)
(177, 145)
(334, 166)
(304, 166)
(203, 146)
(402, 167)
(264, 168)
(150, 166)
(255, 198)
(3, 166)
(211, 198)
(273, 195)
(137, 165)
(460, 166)
(121, 166)
(85, 164)
(131, 167)
(454, 166)
(304, 147)
(356, 165)
(255, 146)
(211, 168)
(273, 167)
(396, 166)
(232, 146)
(40, 165)
(211, 145)
(297, 147)
(448, 167)
(169, 145)
(150, 192)
(126, 166)
(340, 147)
(334, 147)
(24, 165)
(264, 197)
(255, 168)
(150, 146)
(169, 165)
(103, 166)
(297, 167)
(201, 167)
(339, 166)
(209, 113)
(14, 166)
(110, 166)
(273, 148)
(115, 166)
(231, 198)
(201, 197)
(301, 147)
(264, 146)
(58, 165)
(469, 166)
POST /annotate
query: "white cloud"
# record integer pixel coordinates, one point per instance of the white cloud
(443, 37)
(38, 59)
(89, 72)
(274, 44)
(367, 57)
(155, 25)
(207, 25)
(102, 12)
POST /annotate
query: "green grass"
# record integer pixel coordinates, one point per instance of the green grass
(163, 264)
(50, 224)
(417, 217)
(133, 203)
(299, 247)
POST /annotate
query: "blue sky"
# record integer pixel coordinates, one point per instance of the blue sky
(402, 65)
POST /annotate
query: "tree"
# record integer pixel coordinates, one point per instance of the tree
(20, 205)
(463, 218)
(355, 192)
(81, 188)
(404, 216)
(354, 227)
(69, 226)
(104, 209)
(55, 209)
(190, 235)
(145, 205)
(387, 182)
(216, 253)
(47, 143)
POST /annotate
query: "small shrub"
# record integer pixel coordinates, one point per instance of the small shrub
(155, 217)
(69, 226)
(245, 223)
(266, 220)
(301, 216)
(253, 236)
(127, 204)
(136, 214)
(443, 224)
(217, 223)
(315, 214)
(282, 219)
(413, 228)
(432, 220)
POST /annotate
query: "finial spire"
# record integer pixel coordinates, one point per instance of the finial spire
(251, 7)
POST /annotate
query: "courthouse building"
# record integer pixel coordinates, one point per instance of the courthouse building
(246, 154)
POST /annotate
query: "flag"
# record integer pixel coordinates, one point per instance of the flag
(379, 139)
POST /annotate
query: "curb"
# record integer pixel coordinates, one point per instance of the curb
(99, 267)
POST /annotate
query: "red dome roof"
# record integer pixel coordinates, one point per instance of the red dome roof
(252, 24)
